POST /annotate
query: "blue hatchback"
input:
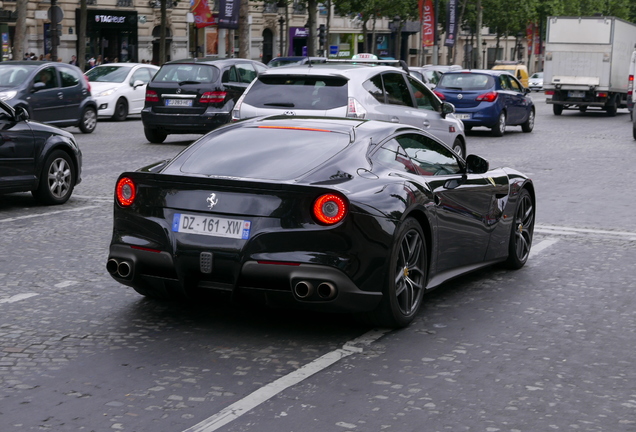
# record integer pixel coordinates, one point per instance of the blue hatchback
(490, 98)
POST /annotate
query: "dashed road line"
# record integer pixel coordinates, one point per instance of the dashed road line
(265, 393)
(17, 298)
(17, 218)
(567, 231)
(541, 246)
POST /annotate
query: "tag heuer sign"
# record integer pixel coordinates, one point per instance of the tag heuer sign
(114, 19)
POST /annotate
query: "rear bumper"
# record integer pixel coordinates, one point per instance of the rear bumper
(184, 123)
(273, 282)
(481, 115)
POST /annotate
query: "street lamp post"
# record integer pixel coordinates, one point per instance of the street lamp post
(281, 23)
(483, 50)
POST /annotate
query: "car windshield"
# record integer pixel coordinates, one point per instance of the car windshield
(108, 73)
(14, 75)
(186, 72)
(537, 75)
(299, 92)
(465, 81)
(251, 153)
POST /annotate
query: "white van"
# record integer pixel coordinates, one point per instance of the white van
(631, 95)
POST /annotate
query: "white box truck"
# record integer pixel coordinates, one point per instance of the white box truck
(587, 62)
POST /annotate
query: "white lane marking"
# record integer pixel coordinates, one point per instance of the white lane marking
(265, 393)
(538, 248)
(17, 298)
(47, 213)
(66, 284)
(559, 230)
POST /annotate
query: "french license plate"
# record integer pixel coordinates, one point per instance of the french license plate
(179, 102)
(211, 226)
(576, 94)
(462, 116)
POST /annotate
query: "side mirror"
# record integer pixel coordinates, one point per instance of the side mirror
(38, 86)
(21, 114)
(447, 108)
(476, 164)
(138, 83)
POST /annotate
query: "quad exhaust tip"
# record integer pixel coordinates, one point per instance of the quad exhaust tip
(305, 289)
(121, 269)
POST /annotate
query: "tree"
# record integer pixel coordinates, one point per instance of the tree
(81, 37)
(244, 29)
(162, 34)
(19, 40)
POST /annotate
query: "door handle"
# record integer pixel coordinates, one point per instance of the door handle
(426, 124)
(60, 95)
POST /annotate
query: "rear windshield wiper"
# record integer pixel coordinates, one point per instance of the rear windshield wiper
(189, 82)
(281, 104)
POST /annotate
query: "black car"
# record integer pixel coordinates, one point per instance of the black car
(36, 157)
(52, 92)
(195, 95)
(331, 214)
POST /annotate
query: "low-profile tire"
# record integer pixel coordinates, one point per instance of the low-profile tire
(121, 110)
(521, 232)
(88, 122)
(500, 128)
(57, 179)
(402, 295)
(557, 109)
(155, 136)
(529, 124)
(458, 148)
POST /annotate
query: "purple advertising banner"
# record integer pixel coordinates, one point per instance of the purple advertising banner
(451, 23)
(229, 13)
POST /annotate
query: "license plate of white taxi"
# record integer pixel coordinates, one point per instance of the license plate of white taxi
(179, 102)
(211, 226)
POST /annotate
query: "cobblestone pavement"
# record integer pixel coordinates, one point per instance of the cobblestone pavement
(545, 348)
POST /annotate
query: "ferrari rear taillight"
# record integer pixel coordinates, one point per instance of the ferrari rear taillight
(125, 192)
(330, 209)
(152, 96)
(487, 97)
(355, 110)
(213, 97)
(439, 95)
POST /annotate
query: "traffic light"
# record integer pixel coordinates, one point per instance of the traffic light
(322, 35)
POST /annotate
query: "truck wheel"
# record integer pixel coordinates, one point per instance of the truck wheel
(634, 129)
(557, 109)
(611, 109)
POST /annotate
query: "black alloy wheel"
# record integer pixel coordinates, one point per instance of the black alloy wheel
(521, 232)
(88, 122)
(57, 179)
(121, 110)
(402, 298)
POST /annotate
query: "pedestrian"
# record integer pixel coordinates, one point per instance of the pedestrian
(73, 61)
(91, 62)
(27, 56)
(33, 57)
(99, 60)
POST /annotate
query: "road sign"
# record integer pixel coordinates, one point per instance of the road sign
(55, 14)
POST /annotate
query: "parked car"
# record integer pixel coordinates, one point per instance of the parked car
(51, 92)
(491, 98)
(195, 95)
(294, 60)
(536, 81)
(358, 90)
(330, 214)
(37, 158)
(120, 88)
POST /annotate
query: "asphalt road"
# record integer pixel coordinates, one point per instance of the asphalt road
(548, 347)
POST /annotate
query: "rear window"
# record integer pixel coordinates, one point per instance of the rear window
(257, 153)
(299, 92)
(193, 73)
(466, 81)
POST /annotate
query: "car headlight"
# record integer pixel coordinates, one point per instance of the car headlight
(6, 95)
(106, 92)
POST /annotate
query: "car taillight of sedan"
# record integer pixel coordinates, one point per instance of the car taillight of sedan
(487, 97)
(213, 97)
(152, 96)
(439, 95)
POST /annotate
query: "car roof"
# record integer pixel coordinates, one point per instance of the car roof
(125, 64)
(340, 69)
(479, 71)
(212, 61)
